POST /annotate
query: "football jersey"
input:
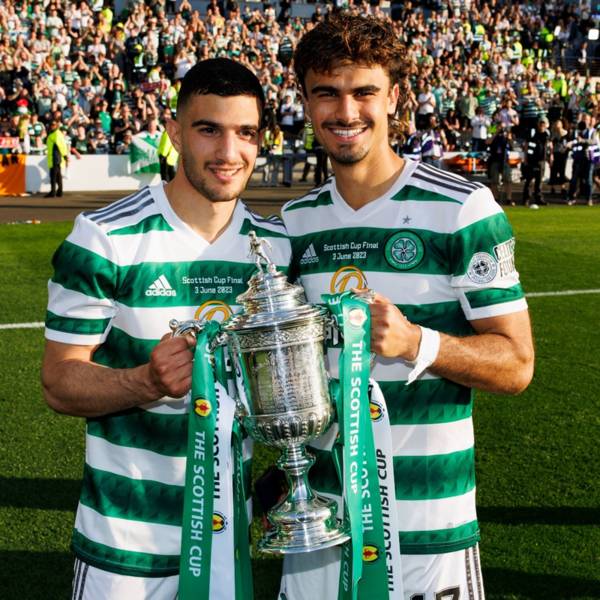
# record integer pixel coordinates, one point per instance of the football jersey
(120, 276)
(442, 250)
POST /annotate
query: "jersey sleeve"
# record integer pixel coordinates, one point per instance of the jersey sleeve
(482, 255)
(81, 292)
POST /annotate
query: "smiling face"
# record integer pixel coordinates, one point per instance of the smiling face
(349, 109)
(217, 138)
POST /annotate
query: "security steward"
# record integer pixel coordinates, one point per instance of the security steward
(538, 150)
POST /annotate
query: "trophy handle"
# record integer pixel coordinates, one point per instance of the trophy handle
(181, 328)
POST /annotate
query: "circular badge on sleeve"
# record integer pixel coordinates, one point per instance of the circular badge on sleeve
(404, 250)
(482, 268)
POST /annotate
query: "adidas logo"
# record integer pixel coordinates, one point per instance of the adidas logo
(309, 256)
(161, 287)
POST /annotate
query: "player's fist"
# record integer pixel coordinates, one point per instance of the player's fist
(170, 366)
(392, 334)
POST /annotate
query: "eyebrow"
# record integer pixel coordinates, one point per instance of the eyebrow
(206, 123)
(332, 89)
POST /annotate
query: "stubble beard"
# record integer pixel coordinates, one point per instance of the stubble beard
(214, 192)
(348, 155)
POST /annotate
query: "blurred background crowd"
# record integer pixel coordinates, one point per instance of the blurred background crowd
(479, 69)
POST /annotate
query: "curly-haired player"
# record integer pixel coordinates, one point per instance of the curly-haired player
(448, 315)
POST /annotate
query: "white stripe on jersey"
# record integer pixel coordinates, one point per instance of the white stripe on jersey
(151, 323)
(128, 534)
(442, 513)
(494, 310)
(76, 305)
(480, 205)
(134, 463)
(436, 438)
(416, 289)
(385, 369)
(76, 339)
(168, 406)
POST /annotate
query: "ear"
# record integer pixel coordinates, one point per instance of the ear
(393, 99)
(174, 131)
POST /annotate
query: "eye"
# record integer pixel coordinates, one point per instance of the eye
(206, 130)
(249, 134)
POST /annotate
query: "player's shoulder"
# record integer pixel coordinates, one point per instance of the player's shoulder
(126, 212)
(270, 226)
(444, 185)
(318, 196)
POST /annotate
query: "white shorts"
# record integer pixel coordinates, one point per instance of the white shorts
(450, 576)
(90, 583)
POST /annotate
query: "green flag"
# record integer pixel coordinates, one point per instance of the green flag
(144, 153)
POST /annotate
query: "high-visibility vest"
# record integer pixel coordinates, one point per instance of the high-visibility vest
(56, 138)
(517, 50)
(167, 150)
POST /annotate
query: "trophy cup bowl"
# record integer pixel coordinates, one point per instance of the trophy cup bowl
(276, 343)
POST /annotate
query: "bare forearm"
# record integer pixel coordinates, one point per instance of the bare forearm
(85, 389)
(489, 361)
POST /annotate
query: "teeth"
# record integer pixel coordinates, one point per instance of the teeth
(347, 132)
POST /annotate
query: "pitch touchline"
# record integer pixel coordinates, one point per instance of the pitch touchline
(39, 324)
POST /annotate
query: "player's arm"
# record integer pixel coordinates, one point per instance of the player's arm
(74, 385)
(498, 357)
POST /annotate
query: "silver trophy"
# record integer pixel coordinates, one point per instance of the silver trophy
(276, 343)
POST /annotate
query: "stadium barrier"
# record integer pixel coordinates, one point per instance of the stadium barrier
(112, 172)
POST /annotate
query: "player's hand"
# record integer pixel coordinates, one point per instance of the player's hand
(170, 366)
(392, 334)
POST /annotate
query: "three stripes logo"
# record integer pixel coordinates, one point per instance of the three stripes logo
(309, 256)
(161, 287)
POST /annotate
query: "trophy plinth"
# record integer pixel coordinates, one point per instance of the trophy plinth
(277, 347)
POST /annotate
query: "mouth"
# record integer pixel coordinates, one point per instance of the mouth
(347, 135)
(225, 173)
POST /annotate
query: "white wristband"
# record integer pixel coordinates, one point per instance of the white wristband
(428, 351)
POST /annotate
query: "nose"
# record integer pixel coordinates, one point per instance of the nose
(347, 109)
(228, 147)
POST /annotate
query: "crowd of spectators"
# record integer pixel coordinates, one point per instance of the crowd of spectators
(477, 67)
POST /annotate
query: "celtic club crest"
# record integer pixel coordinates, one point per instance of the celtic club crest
(404, 250)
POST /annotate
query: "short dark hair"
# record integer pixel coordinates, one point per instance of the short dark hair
(222, 77)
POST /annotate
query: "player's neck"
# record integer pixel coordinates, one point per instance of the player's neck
(367, 180)
(208, 219)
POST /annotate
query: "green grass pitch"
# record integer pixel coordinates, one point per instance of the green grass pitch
(537, 454)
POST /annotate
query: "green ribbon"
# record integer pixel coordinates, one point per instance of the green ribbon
(197, 532)
(363, 572)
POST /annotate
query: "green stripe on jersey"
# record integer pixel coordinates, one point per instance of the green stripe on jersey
(248, 226)
(122, 351)
(123, 562)
(83, 271)
(447, 317)
(481, 236)
(137, 428)
(364, 247)
(410, 192)
(416, 477)
(133, 499)
(437, 541)
(426, 401)
(323, 199)
(72, 325)
(494, 296)
(435, 476)
(151, 223)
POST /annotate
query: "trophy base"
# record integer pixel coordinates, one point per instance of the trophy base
(303, 526)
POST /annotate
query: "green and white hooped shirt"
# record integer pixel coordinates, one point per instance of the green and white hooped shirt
(120, 276)
(442, 250)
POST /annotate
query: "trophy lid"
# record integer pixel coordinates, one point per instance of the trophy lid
(270, 299)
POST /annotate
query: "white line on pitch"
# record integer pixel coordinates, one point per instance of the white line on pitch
(34, 325)
(562, 293)
(38, 324)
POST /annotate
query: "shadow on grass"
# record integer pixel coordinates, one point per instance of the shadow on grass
(503, 584)
(35, 575)
(52, 494)
(539, 515)
(48, 576)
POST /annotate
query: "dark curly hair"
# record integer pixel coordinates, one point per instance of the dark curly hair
(347, 38)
